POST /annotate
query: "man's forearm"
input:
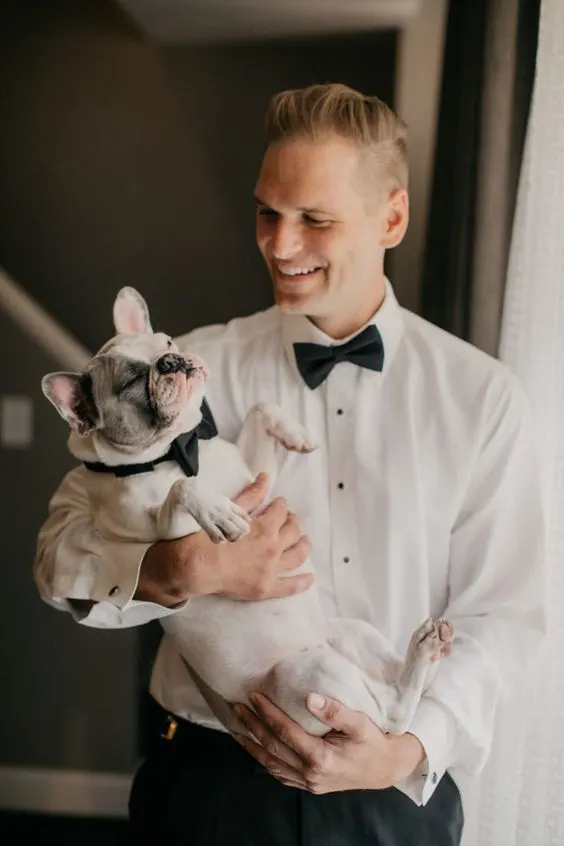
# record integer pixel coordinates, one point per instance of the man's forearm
(257, 566)
(175, 571)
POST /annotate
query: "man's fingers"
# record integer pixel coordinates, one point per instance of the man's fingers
(291, 585)
(335, 714)
(290, 532)
(296, 554)
(274, 723)
(251, 497)
(281, 771)
(275, 514)
(273, 748)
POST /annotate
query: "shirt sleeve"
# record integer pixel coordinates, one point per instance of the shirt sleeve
(77, 570)
(497, 598)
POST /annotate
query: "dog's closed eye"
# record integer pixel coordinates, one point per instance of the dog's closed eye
(130, 382)
(131, 377)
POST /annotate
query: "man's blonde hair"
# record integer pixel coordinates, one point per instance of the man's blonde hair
(335, 109)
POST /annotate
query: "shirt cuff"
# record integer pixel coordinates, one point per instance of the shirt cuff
(436, 730)
(116, 580)
(114, 588)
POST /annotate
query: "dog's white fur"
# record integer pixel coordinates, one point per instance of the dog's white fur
(285, 648)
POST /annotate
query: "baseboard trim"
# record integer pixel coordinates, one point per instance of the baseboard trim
(65, 792)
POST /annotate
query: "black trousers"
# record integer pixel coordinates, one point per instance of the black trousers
(200, 788)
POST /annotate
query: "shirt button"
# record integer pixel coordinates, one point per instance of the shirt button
(114, 590)
(434, 778)
(339, 411)
(346, 559)
(340, 486)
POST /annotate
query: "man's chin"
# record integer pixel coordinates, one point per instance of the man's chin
(295, 303)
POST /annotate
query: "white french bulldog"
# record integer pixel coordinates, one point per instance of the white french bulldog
(126, 409)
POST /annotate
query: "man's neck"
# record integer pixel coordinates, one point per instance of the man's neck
(345, 324)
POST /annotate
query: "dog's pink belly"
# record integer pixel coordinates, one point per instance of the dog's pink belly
(233, 646)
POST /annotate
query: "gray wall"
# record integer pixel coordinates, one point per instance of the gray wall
(127, 165)
(119, 164)
(68, 692)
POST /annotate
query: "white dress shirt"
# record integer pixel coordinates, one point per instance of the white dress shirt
(423, 498)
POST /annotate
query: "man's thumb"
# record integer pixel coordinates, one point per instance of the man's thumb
(335, 714)
(251, 497)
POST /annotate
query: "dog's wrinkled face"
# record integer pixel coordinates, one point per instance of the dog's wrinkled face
(138, 389)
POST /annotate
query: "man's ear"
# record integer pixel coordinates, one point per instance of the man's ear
(72, 397)
(396, 219)
(131, 313)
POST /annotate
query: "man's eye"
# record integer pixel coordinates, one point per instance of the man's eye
(315, 221)
(265, 212)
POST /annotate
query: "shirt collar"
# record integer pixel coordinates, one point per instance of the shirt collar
(388, 320)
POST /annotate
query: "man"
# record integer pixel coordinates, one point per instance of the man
(423, 499)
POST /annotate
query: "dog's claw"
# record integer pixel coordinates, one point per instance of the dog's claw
(226, 524)
(434, 638)
(280, 425)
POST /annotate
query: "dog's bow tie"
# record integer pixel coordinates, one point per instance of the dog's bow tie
(315, 361)
(183, 450)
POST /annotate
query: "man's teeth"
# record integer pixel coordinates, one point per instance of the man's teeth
(297, 271)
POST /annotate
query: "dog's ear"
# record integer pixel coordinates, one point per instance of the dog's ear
(131, 314)
(71, 394)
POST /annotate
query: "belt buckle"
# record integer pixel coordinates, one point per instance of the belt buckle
(170, 728)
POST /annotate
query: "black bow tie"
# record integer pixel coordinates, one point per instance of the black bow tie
(183, 450)
(315, 361)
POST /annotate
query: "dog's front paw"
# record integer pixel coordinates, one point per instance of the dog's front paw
(294, 438)
(286, 430)
(433, 639)
(219, 517)
(223, 520)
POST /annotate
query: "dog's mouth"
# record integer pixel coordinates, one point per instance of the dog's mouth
(197, 367)
(170, 391)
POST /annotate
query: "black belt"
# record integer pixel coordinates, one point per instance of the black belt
(174, 736)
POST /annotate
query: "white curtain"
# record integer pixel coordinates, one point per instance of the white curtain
(519, 801)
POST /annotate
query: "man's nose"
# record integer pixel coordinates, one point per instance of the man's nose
(286, 240)
(171, 363)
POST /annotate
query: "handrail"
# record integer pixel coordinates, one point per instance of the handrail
(40, 326)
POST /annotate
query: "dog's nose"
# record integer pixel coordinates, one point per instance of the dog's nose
(171, 363)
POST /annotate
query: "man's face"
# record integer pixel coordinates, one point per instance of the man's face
(319, 232)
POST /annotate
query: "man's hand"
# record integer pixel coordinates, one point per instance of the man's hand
(258, 566)
(354, 755)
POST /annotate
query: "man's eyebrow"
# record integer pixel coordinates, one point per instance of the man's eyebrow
(313, 211)
(305, 209)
